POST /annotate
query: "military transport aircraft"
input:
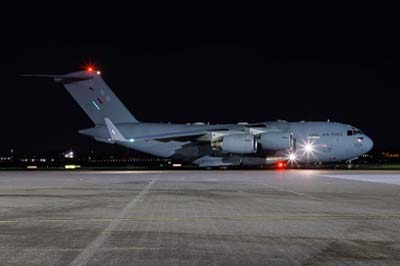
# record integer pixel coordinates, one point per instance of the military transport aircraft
(225, 145)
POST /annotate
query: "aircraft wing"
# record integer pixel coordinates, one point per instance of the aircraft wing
(198, 134)
(178, 136)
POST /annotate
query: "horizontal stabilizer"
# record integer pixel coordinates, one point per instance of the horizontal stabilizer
(42, 76)
(64, 78)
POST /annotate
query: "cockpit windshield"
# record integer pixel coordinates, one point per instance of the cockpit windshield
(354, 131)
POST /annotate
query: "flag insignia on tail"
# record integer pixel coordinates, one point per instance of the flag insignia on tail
(95, 105)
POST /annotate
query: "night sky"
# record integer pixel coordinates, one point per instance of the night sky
(209, 64)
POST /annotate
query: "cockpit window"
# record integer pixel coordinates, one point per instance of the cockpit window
(354, 132)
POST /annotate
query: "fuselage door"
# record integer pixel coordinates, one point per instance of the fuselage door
(292, 142)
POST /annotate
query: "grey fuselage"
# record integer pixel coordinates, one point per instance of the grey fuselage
(330, 141)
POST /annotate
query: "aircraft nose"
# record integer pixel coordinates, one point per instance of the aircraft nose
(368, 144)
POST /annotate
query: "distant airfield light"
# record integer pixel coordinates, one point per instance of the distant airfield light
(131, 140)
(90, 69)
(98, 72)
(69, 155)
(292, 157)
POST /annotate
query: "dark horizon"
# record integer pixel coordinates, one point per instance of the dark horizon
(211, 67)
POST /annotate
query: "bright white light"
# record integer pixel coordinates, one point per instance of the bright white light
(98, 72)
(292, 157)
(131, 140)
(69, 155)
(308, 147)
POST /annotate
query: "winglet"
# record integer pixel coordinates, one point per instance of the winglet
(115, 135)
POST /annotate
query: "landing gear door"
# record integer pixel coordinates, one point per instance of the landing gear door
(292, 142)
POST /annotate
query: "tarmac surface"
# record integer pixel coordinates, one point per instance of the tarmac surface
(290, 217)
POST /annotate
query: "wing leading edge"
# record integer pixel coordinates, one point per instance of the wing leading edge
(116, 135)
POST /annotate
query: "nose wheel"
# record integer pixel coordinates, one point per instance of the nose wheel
(349, 162)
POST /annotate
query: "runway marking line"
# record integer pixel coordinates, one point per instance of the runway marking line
(107, 231)
(84, 257)
(289, 191)
(386, 179)
(81, 249)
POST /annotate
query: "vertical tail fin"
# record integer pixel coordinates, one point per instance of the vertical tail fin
(94, 96)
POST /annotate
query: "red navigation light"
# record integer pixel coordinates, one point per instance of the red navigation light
(91, 68)
(281, 165)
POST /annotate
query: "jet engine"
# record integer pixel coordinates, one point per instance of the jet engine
(276, 141)
(237, 144)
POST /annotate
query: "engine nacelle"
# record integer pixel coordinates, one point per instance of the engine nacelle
(237, 144)
(276, 141)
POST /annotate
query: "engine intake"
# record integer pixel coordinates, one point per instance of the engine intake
(237, 144)
(276, 141)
